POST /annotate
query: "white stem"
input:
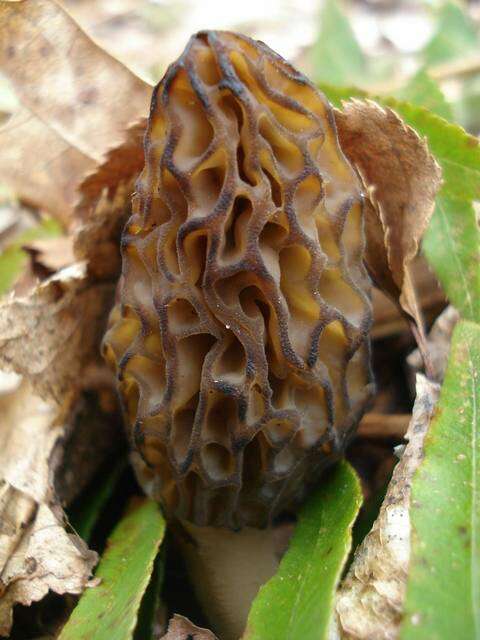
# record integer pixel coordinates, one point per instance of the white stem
(227, 568)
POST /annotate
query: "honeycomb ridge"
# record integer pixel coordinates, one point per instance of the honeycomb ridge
(240, 339)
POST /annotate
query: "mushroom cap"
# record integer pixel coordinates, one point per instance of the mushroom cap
(241, 336)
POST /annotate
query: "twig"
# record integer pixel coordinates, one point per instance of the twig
(379, 425)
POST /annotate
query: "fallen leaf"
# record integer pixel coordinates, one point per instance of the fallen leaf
(78, 103)
(121, 164)
(50, 254)
(36, 553)
(452, 239)
(389, 320)
(105, 204)
(370, 601)
(85, 95)
(97, 241)
(180, 628)
(51, 335)
(401, 180)
(40, 166)
(51, 338)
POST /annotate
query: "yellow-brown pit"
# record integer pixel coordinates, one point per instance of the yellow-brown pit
(241, 337)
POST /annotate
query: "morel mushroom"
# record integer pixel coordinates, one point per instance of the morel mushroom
(241, 337)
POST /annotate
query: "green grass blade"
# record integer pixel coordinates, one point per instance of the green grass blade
(151, 603)
(298, 601)
(109, 611)
(443, 591)
(85, 512)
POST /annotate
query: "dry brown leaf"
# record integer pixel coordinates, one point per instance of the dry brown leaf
(401, 179)
(88, 97)
(78, 103)
(40, 166)
(120, 165)
(97, 241)
(46, 558)
(51, 335)
(46, 257)
(36, 553)
(388, 318)
(180, 628)
(105, 204)
(369, 602)
(52, 254)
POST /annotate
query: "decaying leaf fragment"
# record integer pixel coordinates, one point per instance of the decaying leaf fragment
(51, 338)
(370, 601)
(36, 552)
(50, 335)
(121, 163)
(97, 240)
(401, 179)
(104, 205)
(180, 628)
(241, 342)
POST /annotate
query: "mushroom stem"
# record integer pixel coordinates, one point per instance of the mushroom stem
(227, 568)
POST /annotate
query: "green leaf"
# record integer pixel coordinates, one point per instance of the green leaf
(336, 55)
(452, 246)
(151, 601)
(455, 35)
(443, 590)
(298, 601)
(423, 91)
(86, 511)
(110, 610)
(13, 258)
